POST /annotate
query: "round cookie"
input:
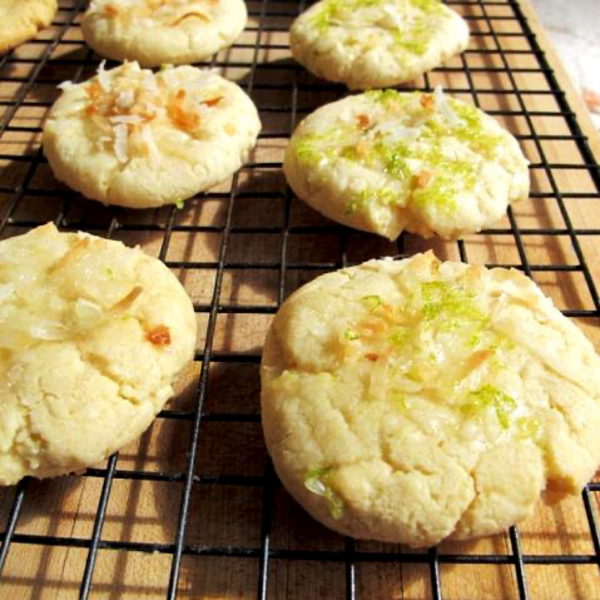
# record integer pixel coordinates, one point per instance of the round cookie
(413, 401)
(154, 32)
(370, 44)
(387, 162)
(92, 335)
(133, 138)
(22, 19)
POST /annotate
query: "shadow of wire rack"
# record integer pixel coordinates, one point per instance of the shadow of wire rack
(194, 510)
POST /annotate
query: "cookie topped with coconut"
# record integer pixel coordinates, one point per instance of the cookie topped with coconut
(134, 138)
(154, 32)
(387, 161)
(398, 395)
(369, 44)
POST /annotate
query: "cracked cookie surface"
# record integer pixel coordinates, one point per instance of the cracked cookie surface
(92, 336)
(413, 401)
(154, 32)
(138, 139)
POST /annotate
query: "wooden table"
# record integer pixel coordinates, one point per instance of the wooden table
(239, 250)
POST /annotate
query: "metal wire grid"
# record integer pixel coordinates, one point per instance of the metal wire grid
(275, 17)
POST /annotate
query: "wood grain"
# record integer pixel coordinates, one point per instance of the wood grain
(230, 515)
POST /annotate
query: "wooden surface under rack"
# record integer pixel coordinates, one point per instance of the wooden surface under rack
(230, 505)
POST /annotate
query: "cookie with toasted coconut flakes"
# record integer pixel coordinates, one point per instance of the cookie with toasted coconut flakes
(370, 44)
(134, 138)
(155, 32)
(387, 162)
(417, 400)
(93, 336)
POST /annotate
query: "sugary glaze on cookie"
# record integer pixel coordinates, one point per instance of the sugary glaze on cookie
(376, 43)
(415, 400)
(92, 336)
(421, 162)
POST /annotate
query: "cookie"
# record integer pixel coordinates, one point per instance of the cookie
(154, 32)
(370, 44)
(387, 162)
(22, 19)
(413, 401)
(133, 138)
(92, 336)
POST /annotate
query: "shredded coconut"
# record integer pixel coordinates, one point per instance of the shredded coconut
(103, 78)
(395, 133)
(151, 146)
(149, 81)
(131, 119)
(442, 104)
(65, 85)
(392, 18)
(125, 99)
(121, 144)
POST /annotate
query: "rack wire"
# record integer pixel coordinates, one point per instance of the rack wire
(194, 509)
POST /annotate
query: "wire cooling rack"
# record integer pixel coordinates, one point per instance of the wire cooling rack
(194, 510)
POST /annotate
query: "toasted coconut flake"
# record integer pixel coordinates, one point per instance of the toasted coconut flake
(48, 330)
(129, 119)
(363, 121)
(442, 104)
(103, 78)
(125, 99)
(427, 101)
(212, 101)
(149, 82)
(121, 144)
(395, 133)
(148, 137)
(159, 336)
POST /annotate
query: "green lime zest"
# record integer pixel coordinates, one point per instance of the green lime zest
(399, 336)
(323, 19)
(309, 147)
(529, 427)
(384, 196)
(373, 302)
(332, 8)
(317, 481)
(385, 96)
(400, 400)
(416, 39)
(472, 133)
(393, 158)
(490, 396)
(430, 7)
(451, 302)
(165, 67)
(351, 335)
(179, 204)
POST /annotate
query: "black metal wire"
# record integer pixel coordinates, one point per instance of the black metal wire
(299, 101)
